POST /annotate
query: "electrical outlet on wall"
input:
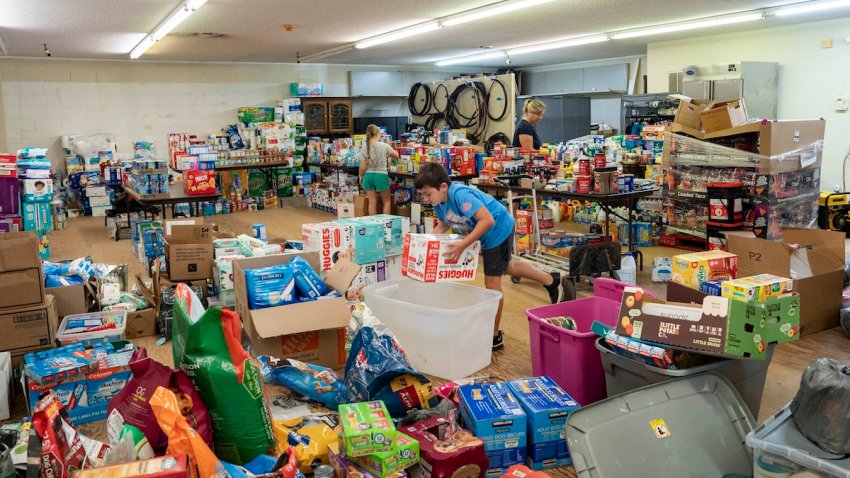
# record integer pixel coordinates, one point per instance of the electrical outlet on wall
(842, 102)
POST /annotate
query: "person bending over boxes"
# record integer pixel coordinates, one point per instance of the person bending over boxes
(478, 216)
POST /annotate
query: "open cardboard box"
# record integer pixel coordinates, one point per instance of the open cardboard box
(688, 113)
(725, 115)
(312, 332)
(142, 323)
(704, 326)
(74, 299)
(21, 277)
(189, 251)
(818, 269)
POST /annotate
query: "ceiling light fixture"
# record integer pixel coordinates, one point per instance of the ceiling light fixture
(490, 12)
(326, 53)
(559, 44)
(678, 27)
(490, 55)
(170, 23)
(810, 7)
(398, 35)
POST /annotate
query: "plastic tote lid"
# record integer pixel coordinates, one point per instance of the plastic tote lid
(694, 426)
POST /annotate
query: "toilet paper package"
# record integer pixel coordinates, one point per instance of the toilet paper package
(270, 286)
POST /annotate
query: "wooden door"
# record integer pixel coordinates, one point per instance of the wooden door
(340, 116)
(315, 115)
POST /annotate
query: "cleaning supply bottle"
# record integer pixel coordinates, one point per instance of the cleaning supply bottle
(628, 269)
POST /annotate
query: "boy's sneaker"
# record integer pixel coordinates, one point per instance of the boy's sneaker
(499, 340)
(556, 288)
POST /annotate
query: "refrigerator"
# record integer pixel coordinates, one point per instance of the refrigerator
(757, 82)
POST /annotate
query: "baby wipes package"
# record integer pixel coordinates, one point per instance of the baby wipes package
(270, 286)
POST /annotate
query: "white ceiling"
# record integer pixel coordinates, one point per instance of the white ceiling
(109, 29)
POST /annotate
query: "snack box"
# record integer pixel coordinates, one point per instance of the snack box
(492, 413)
(756, 288)
(462, 454)
(546, 405)
(697, 267)
(168, 466)
(423, 259)
(345, 468)
(367, 428)
(404, 455)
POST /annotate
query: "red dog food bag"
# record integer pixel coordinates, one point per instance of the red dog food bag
(131, 406)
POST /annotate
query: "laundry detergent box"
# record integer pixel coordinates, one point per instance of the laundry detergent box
(546, 405)
(329, 239)
(697, 267)
(492, 413)
(404, 455)
(423, 258)
(367, 240)
(367, 428)
(396, 227)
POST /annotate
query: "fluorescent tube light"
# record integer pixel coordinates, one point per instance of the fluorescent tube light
(810, 7)
(489, 12)
(558, 44)
(398, 35)
(678, 27)
(142, 47)
(170, 23)
(491, 55)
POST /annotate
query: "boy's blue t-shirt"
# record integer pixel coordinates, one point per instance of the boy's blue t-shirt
(462, 204)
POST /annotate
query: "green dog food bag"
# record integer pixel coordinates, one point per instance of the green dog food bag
(207, 347)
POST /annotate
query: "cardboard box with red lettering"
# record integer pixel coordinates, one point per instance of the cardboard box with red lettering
(424, 258)
(462, 161)
(198, 183)
(706, 326)
(312, 332)
(813, 258)
(328, 239)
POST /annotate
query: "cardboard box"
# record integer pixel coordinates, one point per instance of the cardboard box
(757, 288)
(441, 458)
(328, 239)
(371, 274)
(345, 468)
(367, 428)
(361, 206)
(345, 210)
(29, 329)
(423, 259)
(189, 252)
(198, 183)
(492, 413)
(21, 277)
(312, 332)
(395, 228)
(403, 211)
(367, 239)
(722, 116)
(695, 268)
(705, 326)
(500, 460)
(404, 455)
(546, 405)
(818, 267)
(142, 323)
(552, 454)
(168, 466)
(37, 190)
(72, 299)
(688, 113)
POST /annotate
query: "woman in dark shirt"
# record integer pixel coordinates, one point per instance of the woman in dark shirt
(525, 135)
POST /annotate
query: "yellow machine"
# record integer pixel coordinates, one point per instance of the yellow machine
(834, 211)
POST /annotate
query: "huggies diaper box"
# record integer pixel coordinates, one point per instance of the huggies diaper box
(424, 259)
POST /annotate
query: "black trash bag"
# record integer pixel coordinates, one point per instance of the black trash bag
(821, 408)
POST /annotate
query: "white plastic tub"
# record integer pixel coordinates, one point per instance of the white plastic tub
(446, 329)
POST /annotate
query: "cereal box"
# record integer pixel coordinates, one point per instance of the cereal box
(424, 258)
(695, 268)
(404, 455)
(367, 428)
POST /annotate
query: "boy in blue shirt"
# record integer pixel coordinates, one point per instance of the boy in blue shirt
(479, 216)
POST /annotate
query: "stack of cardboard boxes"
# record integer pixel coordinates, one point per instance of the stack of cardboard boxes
(28, 316)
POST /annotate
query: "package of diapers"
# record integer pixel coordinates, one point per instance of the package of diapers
(270, 286)
(307, 282)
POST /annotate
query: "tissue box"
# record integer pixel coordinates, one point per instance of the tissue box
(423, 259)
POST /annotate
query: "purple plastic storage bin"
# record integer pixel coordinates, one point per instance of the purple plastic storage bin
(570, 356)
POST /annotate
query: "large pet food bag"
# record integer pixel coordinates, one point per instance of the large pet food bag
(207, 347)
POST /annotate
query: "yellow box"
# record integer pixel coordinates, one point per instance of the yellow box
(756, 288)
(695, 268)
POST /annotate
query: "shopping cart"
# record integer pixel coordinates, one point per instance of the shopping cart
(585, 260)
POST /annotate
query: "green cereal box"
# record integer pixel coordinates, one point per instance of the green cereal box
(386, 464)
(367, 428)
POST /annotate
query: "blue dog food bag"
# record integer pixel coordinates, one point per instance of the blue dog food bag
(270, 286)
(308, 284)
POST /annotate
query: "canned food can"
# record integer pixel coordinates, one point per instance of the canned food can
(259, 231)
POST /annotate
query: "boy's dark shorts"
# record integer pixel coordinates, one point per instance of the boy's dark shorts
(496, 260)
